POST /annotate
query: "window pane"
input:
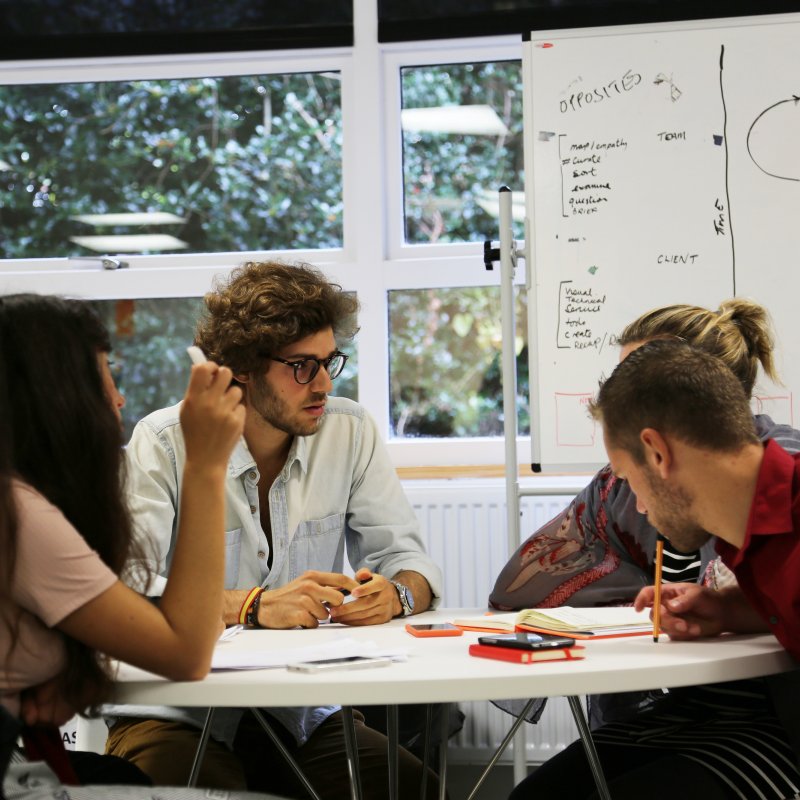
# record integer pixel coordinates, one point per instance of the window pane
(446, 374)
(192, 165)
(149, 340)
(462, 140)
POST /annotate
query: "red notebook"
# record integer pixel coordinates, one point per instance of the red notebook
(527, 656)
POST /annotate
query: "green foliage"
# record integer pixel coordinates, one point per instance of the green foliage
(446, 363)
(250, 163)
(447, 175)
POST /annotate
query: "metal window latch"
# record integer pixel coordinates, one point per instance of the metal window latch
(106, 262)
(490, 254)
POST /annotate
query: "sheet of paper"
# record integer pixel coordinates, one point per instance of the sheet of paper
(489, 622)
(230, 654)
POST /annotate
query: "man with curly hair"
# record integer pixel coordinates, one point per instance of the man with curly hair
(310, 479)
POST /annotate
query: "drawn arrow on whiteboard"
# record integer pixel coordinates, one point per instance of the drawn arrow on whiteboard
(772, 140)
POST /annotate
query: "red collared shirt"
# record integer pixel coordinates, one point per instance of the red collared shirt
(767, 566)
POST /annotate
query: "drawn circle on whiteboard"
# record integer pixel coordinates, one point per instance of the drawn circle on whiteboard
(773, 141)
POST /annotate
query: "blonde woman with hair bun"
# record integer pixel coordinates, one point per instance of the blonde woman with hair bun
(738, 332)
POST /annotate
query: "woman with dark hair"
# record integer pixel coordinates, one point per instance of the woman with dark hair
(65, 533)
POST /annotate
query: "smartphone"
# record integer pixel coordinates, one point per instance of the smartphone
(526, 641)
(348, 662)
(434, 629)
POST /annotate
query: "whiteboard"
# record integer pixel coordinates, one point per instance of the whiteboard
(662, 166)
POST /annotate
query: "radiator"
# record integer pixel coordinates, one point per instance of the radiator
(463, 525)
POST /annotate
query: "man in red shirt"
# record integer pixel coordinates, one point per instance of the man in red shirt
(678, 427)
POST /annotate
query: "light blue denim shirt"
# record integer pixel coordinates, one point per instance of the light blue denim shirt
(337, 492)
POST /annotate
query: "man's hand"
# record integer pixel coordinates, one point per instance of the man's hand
(44, 704)
(373, 602)
(375, 598)
(304, 601)
(212, 416)
(689, 611)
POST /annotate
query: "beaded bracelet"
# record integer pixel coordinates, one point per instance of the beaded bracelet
(248, 601)
(252, 613)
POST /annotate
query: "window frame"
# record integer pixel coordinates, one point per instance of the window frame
(173, 273)
(420, 54)
(373, 260)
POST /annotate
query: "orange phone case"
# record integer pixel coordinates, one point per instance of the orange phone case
(414, 631)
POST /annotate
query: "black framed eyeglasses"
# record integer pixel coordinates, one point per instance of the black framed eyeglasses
(306, 369)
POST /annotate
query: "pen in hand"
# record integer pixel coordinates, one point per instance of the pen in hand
(657, 587)
(196, 354)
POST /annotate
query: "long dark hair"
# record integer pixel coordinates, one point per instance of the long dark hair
(8, 519)
(63, 439)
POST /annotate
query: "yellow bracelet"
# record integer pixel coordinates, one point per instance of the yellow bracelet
(252, 613)
(248, 601)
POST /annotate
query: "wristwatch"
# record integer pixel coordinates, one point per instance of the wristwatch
(406, 599)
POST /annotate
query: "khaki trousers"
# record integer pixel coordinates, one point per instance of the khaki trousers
(165, 751)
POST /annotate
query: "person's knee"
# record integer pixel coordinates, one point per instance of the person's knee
(324, 757)
(165, 751)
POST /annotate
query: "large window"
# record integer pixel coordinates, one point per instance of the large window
(378, 164)
(206, 164)
(462, 139)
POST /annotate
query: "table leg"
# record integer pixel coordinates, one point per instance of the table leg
(588, 744)
(426, 751)
(262, 720)
(392, 745)
(352, 752)
(201, 749)
(520, 755)
(509, 736)
(443, 737)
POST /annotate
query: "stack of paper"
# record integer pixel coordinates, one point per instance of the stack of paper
(254, 652)
(504, 623)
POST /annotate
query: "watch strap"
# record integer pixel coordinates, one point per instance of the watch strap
(406, 599)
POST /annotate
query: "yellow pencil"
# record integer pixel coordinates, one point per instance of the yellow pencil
(657, 588)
